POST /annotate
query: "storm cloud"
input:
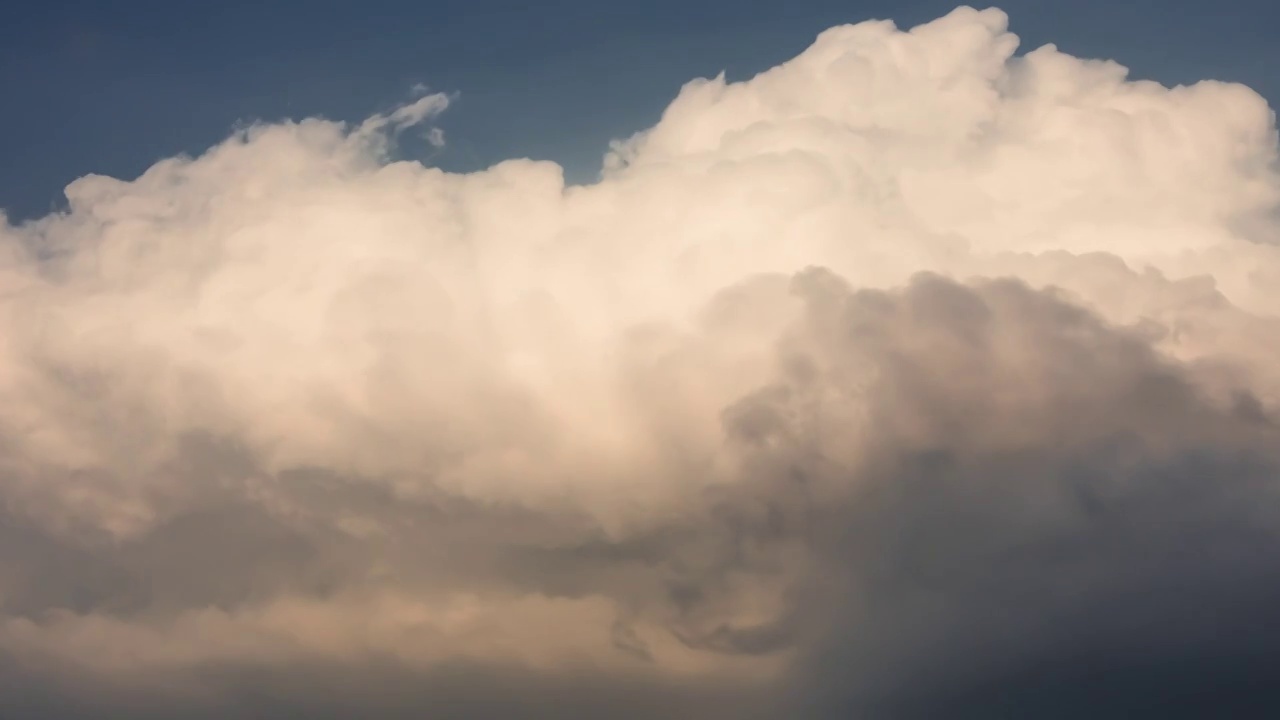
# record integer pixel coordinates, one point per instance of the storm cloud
(914, 377)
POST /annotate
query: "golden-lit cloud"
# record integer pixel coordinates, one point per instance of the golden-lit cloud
(896, 370)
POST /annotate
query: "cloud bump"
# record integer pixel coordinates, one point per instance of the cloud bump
(913, 377)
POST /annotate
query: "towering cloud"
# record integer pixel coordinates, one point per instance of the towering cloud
(909, 378)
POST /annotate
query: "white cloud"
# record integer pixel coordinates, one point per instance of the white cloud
(502, 362)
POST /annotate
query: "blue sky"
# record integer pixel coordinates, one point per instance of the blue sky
(112, 87)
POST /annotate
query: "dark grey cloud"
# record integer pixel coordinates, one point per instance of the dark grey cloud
(974, 499)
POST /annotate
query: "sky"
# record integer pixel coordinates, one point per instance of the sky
(449, 367)
(110, 89)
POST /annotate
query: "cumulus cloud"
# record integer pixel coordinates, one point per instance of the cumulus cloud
(913, 377)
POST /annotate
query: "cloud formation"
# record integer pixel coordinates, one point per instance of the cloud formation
(909, 378)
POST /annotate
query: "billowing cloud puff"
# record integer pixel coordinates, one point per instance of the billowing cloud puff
(909, 378)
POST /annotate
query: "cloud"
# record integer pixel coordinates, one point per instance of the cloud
(910, 378)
